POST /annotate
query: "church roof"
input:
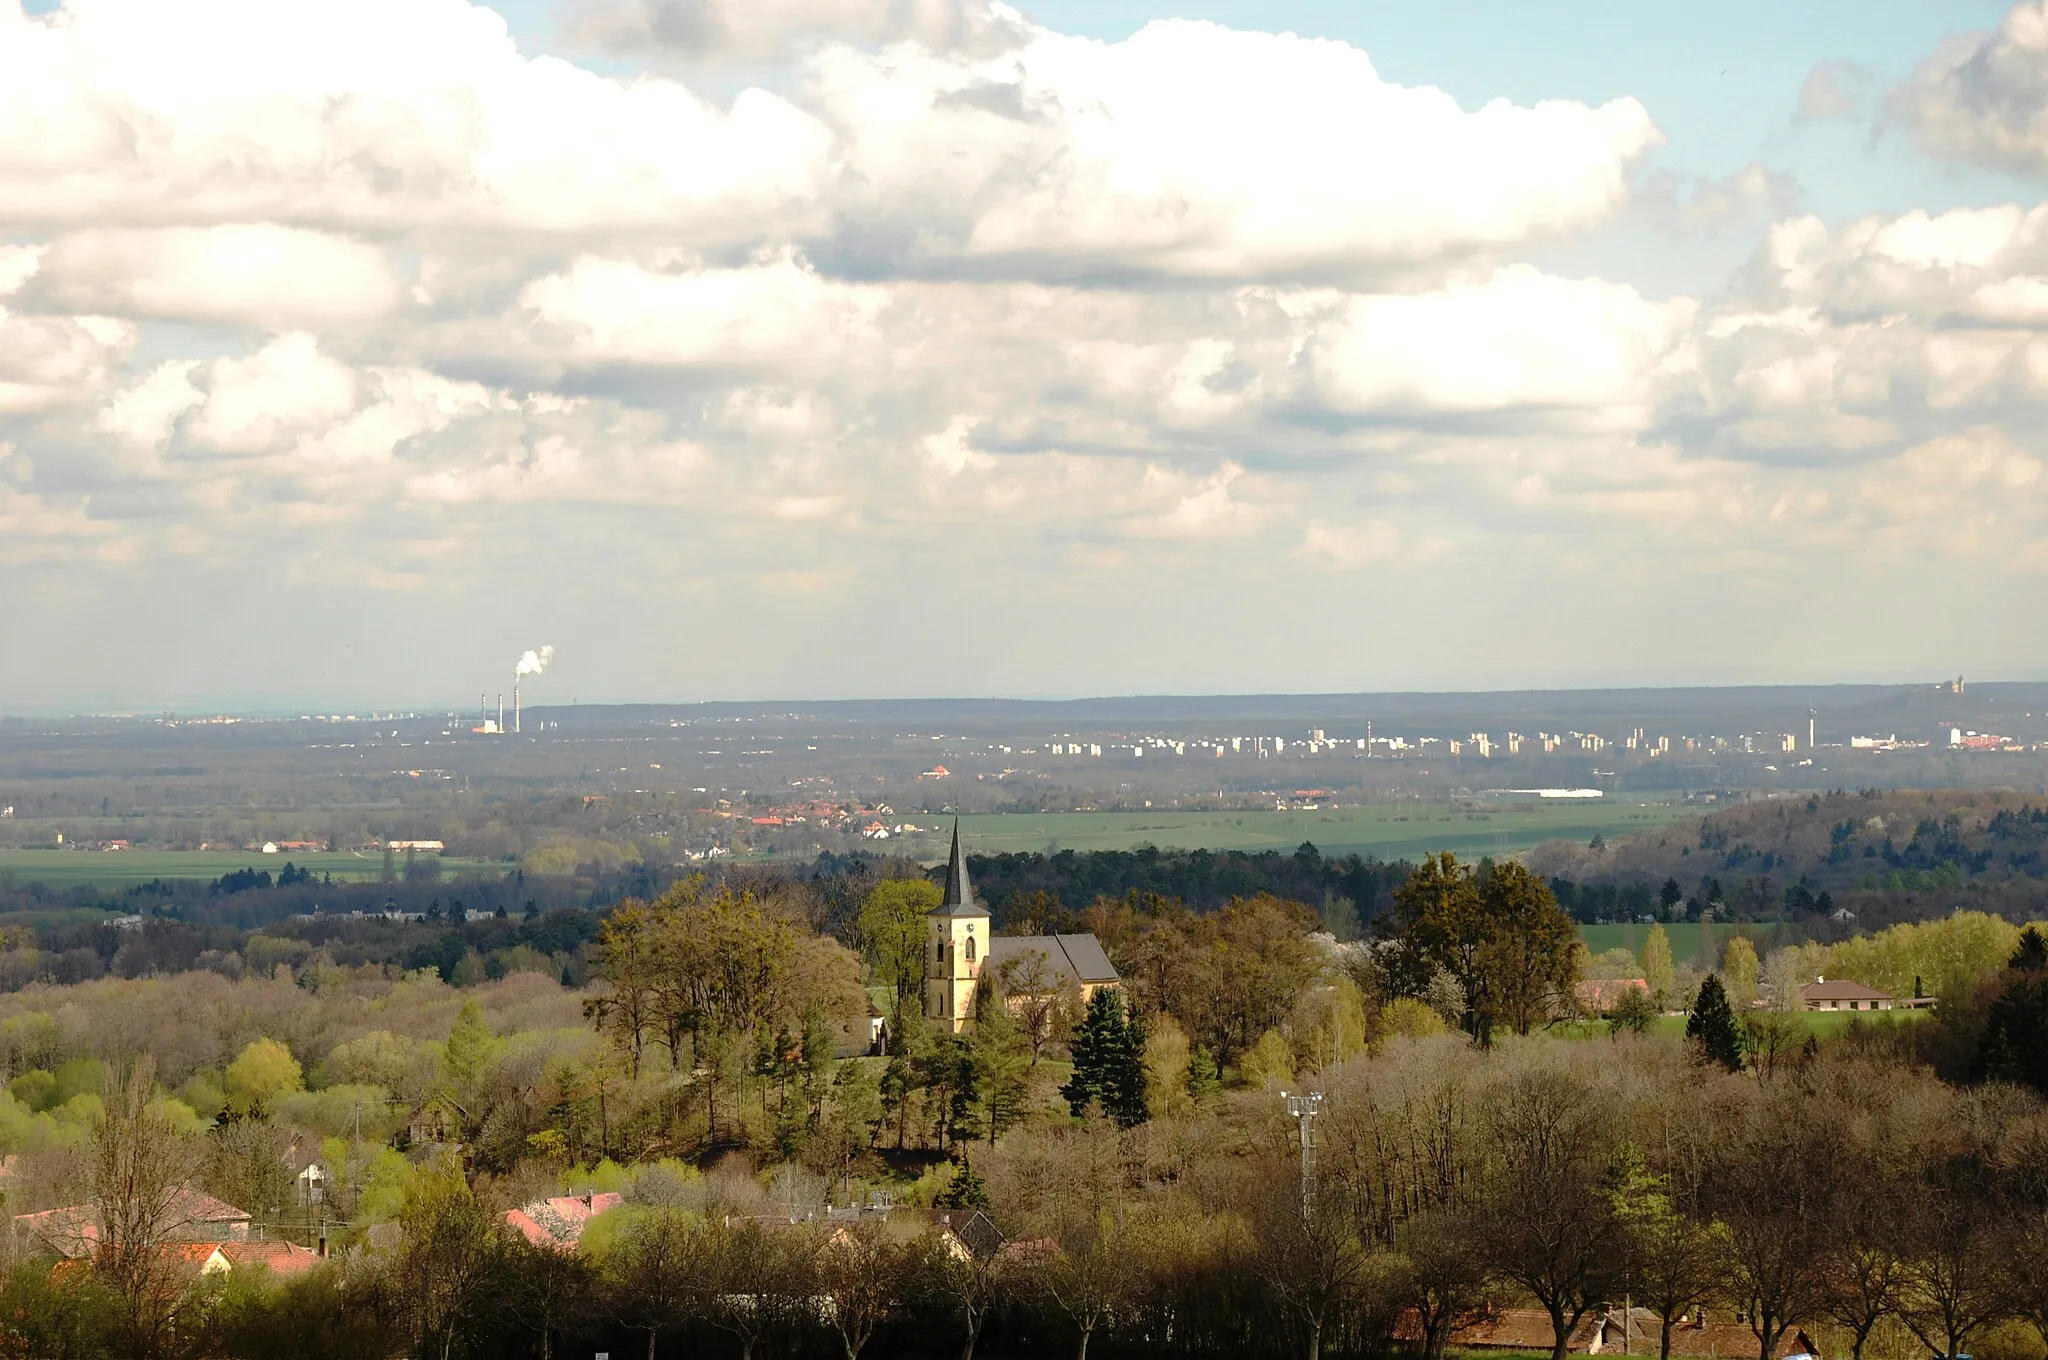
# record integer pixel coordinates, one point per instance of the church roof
(959, 898)
(1077, 959)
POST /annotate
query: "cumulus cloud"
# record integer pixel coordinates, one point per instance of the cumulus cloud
(1193, 149)
(834, 297)
(764, 29)
(243, 273)
(1983, 97)
(369, 115)
(1519, 339)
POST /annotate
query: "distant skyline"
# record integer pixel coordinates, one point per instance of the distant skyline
(877, 348)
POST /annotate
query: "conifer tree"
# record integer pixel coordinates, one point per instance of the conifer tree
(1123, 1094)
(1204, 1081)
(1094, 1047)
(1712, 1025)
(966, 1191)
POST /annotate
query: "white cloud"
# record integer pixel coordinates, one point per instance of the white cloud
(52, 361)
(1193, 149)
(251, 273)
(263, 403)
(1519, 339)
(371, 115)
(763, 29)
(1983, 97)
(778, 312)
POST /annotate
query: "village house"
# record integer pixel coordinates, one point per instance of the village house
(1601, 1333)
(559, 1221)
(1843, 995)
(73, 1232)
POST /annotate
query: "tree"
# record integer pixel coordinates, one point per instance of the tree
(1093, 1274)
(891, 929)
(1529, 957)
(1739, 971)
(1669, 896)
(445, 1268)
(624, 957)
(1437, 923)
(141, 1160)
(2030, 955)
(547, 1289)
(264, 1071)
(1002, 1069)
(862, 1273)
(1553, 1230)
(1657, 968)
(465, 1060)
(966, 1190)
(1094, 1050)
(1125, 1090)
(1311, 1263)
(1954, 1281)
(1033, 994)
(969, 1285)
(648, 1275)
(1711, 1027)
(1770, 1175)
(1672, 1257)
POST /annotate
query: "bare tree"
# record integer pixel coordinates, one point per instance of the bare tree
(648, 1273)
(1310, 1260)
(1553, 1231)
(1769, 1187)
(1093, 1275)
(1954, 1276)
(860, 1273)
(965, 1283)
(141, 1162)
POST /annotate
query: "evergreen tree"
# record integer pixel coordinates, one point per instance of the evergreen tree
(1094, 1048)
(1712, 1025)
(1204, 1081)
(2031, 956)
(967, 1191)
(1123, 1094)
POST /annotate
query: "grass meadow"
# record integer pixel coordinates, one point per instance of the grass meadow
(1390, 831)
(113, 869)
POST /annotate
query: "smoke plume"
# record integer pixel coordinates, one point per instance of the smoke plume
(533, 663)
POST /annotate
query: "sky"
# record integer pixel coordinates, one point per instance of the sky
(844, 348)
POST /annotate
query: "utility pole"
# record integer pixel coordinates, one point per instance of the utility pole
(1303, 1109)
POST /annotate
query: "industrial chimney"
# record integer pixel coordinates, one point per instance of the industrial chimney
(501, 712)
(515, 703)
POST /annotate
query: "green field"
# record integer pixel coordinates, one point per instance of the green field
(1825, 1025)
(1686, 940)
(126, 868)
(1389, 831)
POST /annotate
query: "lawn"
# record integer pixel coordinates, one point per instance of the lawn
(110, 869)
(1391, 831)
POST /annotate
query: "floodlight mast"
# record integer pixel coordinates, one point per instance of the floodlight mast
(1303, 1109)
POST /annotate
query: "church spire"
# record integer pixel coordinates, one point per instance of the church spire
(959, 899)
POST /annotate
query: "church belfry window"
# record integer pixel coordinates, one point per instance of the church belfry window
(970, 949)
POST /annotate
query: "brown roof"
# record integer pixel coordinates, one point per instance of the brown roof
(1715, 1340)
(73, 1230)
(1841, 989)
(1505, 1329)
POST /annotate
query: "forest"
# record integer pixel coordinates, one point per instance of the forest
(1119, 1176)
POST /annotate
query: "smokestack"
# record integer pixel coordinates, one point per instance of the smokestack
(501, 712)
(515, 703)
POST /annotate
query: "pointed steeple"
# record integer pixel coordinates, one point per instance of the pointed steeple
(959, 899)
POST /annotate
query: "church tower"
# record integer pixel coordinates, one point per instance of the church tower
(956, 947)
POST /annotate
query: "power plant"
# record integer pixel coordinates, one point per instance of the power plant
(531, 663)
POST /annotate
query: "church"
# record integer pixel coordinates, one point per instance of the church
(964, 949)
